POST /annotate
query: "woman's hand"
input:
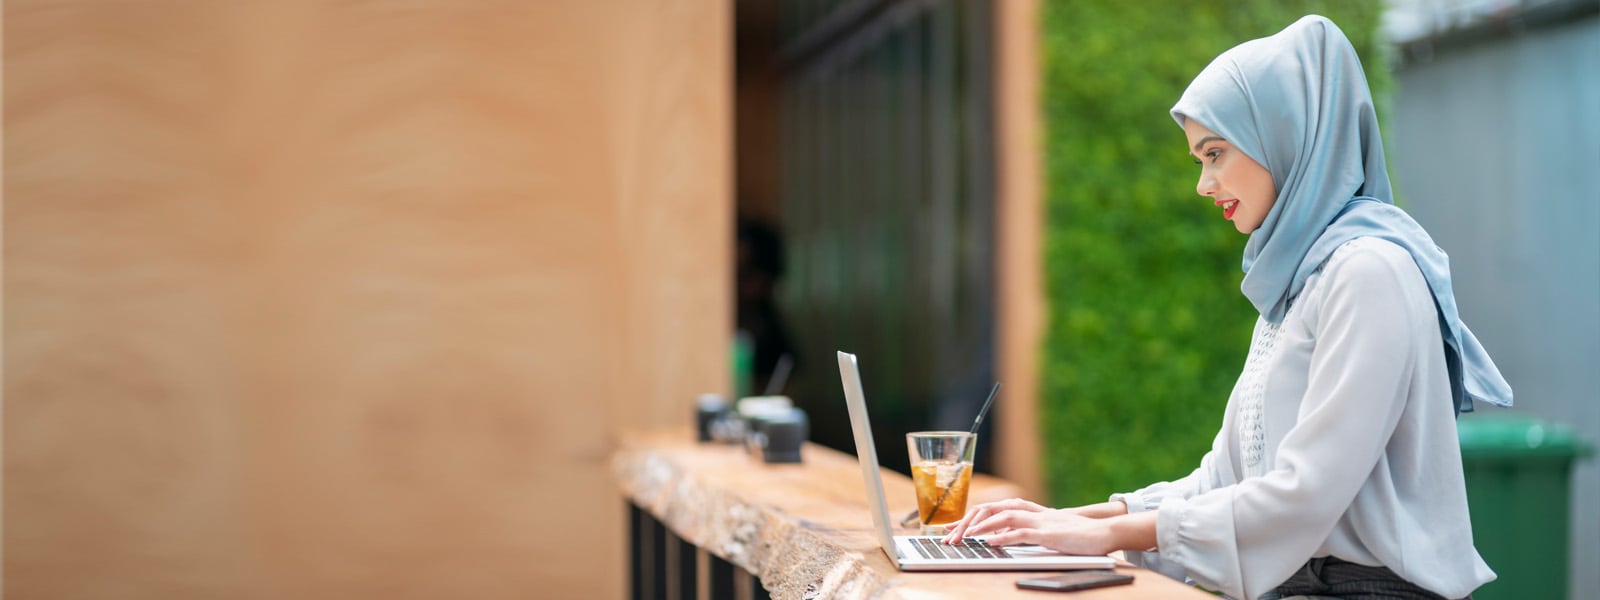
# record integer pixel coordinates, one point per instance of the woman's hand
(979, 513)
(1089, 530)
(983, 511)
(1059, 530)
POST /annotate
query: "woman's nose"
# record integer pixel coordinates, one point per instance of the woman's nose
(1207, 186)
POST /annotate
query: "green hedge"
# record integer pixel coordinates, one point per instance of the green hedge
(1147, 328)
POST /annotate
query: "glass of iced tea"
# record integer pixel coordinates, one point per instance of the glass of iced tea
(941, 468)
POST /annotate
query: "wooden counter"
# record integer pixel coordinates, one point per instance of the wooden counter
(802, 530)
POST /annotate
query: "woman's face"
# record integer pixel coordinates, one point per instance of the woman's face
(1238, 185)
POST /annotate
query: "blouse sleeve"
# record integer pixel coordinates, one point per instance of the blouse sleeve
(1245, 539)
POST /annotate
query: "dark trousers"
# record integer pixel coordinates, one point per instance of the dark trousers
(1330, 576)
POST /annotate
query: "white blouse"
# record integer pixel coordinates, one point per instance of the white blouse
(1339, 440)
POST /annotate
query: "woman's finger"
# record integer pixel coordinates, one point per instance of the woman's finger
(1016, 504)
(980, 514)
(974, 514)
(982, 511)
(1010, 519)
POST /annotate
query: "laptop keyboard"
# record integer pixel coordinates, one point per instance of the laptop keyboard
(968, 548)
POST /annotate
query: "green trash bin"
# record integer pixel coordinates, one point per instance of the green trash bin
(1518, 473)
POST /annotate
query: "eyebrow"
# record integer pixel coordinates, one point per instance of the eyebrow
(1204, 140)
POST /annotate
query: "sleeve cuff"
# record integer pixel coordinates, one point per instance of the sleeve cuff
(1134, 500)
(1198, 537)
(1169, 528)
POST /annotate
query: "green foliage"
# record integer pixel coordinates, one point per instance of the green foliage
(1148, 329)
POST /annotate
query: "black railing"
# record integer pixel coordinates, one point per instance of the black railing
(664, 566)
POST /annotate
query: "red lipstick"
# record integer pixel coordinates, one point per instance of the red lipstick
(1229, 207)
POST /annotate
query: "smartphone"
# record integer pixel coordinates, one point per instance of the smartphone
(1076, 580)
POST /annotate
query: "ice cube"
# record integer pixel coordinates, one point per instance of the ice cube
(946, 474)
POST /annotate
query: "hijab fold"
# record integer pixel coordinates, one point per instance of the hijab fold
(1297, 102)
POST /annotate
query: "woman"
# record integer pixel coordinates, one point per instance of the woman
(1337, 471)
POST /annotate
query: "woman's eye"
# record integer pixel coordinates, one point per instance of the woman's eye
(1213, 154)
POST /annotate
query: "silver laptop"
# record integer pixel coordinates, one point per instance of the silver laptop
(917, 553)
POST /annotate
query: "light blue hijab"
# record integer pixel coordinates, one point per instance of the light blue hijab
(1297, 103)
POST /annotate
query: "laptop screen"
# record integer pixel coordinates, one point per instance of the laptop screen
(866, 452)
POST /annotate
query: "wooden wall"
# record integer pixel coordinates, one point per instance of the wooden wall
(349, 299)
(1021, 311)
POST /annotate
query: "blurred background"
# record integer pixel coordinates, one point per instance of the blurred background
(355, 299)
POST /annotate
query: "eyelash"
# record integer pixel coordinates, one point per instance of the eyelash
(1211, 154)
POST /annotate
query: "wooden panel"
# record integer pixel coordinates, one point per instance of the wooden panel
(1018, 241)
(332, 300)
